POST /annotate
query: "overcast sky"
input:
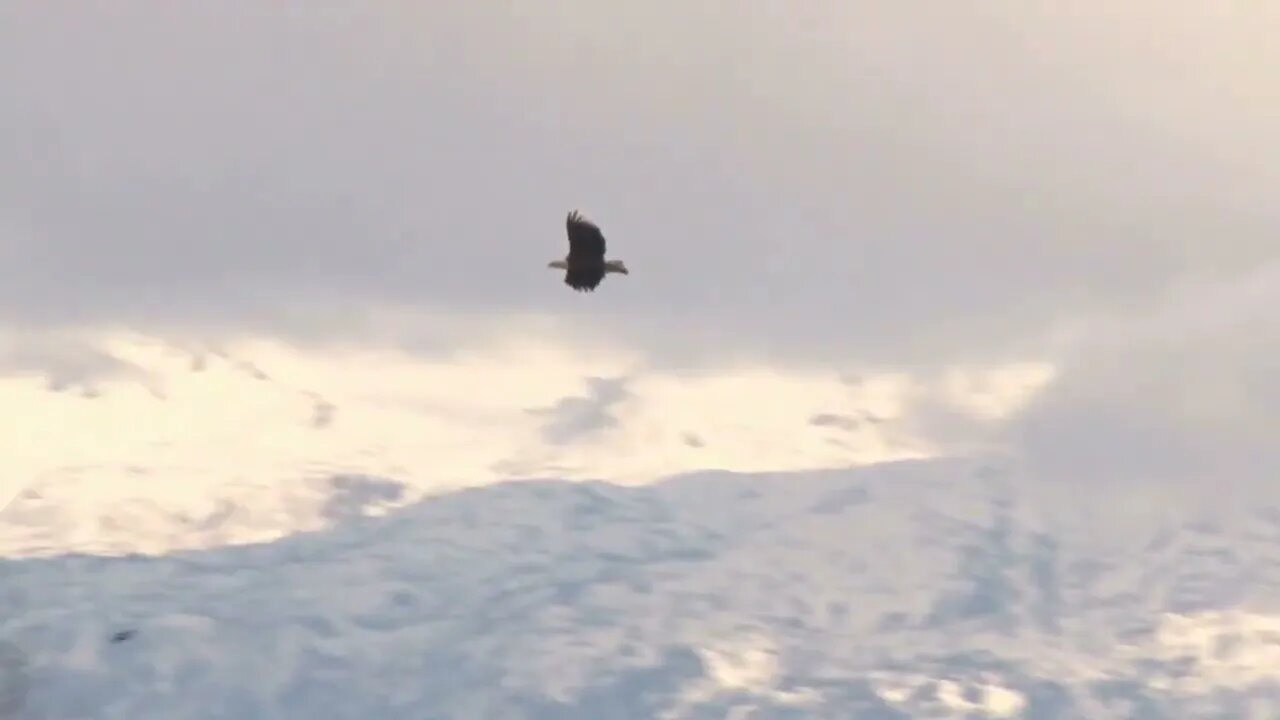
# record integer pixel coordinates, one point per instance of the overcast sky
(884, 181)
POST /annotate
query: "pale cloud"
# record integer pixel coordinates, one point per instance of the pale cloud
(233, 430)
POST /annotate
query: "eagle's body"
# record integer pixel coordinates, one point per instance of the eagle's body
(585, 265)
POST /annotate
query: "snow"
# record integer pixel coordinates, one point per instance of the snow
(443, 548)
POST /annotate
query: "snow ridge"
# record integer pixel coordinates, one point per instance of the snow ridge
(915, 589)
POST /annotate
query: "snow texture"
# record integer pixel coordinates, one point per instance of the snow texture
(918, 589)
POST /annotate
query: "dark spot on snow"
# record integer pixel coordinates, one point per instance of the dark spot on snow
(322, 413)
(352, 496)
(252, 370)
(842, 422)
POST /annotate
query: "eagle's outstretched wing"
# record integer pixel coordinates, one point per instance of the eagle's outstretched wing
(586, 242)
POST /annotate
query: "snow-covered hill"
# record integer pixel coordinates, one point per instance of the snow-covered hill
(263, 532)
(920, 589)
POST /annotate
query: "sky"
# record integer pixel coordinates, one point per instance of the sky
(1089, 184)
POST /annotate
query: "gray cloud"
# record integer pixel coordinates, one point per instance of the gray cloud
(572, 418)
(1185, 392)
(840, 179)
(67, 363)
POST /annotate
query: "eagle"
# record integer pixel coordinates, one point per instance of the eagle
(584, 267)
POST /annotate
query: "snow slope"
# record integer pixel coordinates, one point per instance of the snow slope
(271, 534)
(916, 589)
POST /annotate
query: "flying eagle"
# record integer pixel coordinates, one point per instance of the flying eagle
(585, 265)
